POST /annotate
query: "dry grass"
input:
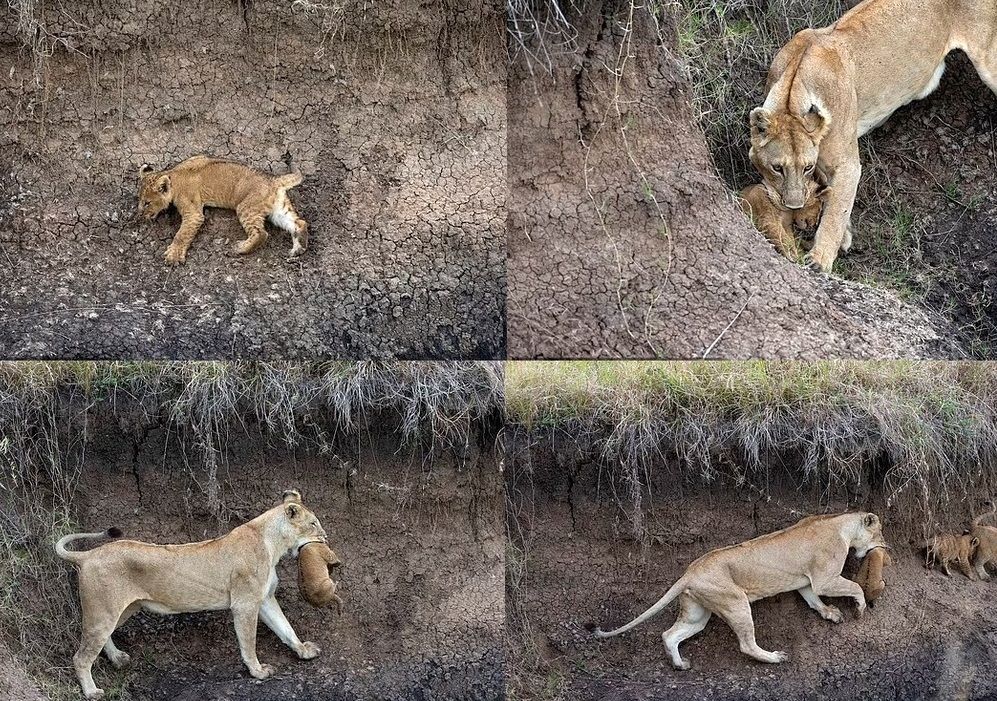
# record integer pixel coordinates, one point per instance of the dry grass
(829, 423)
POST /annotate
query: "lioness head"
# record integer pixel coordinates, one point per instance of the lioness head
(300, 525)
(155, 192)
(784, 149)
(868, 535)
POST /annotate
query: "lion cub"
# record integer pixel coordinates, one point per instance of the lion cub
(870, 574)
(314, 561)
(201, 182)
(776, 222)
(945, 548)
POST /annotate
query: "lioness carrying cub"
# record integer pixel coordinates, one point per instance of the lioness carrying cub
(827, 87)
(807, 557)
(201, 182)
(235, 571)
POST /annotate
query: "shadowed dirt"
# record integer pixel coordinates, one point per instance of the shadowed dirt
(928, 636)
(625, 243)
(394, 114)
(422, 576)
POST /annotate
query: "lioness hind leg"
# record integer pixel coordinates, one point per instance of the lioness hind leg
(828, 612)
(691, 620)
(251, 217)
(737, 613)
(98, 624)
(119, 658)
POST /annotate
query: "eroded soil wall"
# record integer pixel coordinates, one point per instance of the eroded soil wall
(394, 114)
(928, 636)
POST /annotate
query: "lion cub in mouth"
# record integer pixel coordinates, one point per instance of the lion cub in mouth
(776, 222)
(201, 182)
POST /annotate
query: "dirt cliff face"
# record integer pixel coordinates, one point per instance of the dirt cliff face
(573, 563)
(394, 114)
(624, 242)
(421, 542)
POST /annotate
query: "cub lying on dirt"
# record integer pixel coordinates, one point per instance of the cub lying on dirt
(314, 582)
(235, 571)
(870, 574)
(201, 182)
(807, 557)
(776, 223)
(827, 87)
(946, 548)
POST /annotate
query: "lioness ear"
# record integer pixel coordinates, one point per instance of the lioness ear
(292, 510)
(291, 496)
(816, 121)
(759, 120)
(871, 520)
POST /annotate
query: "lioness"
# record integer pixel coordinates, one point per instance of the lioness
(201, 182)
(807, 557)
(946, 548)
(314, 582)
(235, 571)
(986, 536)
(827, 87)
(777, 223)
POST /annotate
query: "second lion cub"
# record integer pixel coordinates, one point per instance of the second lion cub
(201, 182)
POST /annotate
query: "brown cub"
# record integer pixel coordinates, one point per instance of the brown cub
(946, 548)
(314, 560)
(986, 537)
(776, 222)
(870, 574)
(201, 182)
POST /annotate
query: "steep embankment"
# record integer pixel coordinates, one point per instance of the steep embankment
(414, 515)
(620, 223)
(394, 113)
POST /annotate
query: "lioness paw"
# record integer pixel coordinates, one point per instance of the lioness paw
(833, 614)
(684, 665)
(309, 651)
(120, 660)
(779, 656)
(264, 672)
(95, 694)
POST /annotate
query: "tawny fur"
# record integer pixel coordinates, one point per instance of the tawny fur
(777, 223)
(870, 574)
(827, 87)
(807, 557)
(201, 182)
(946, 548)
(986, 537)
(314, 582)
(236, 571)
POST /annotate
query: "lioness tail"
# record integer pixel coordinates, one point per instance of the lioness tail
(71, 556)
(660, 604)
(288, 181)
(986, 514)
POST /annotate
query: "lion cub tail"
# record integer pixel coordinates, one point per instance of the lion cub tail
(658, 606)
(75, 557)
(288, 181)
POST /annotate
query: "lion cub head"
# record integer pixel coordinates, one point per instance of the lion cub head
(155, 193)
(784, 149)
(299, 524)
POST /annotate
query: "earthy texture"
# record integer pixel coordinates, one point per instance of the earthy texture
(394, 114)
(623, 242)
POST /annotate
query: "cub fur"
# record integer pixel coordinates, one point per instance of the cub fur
(946, 548)
(314, 582)
(236, 571)
(776, 223)
(201, 182)
(827, 87)
(807, 557)
(986, 536)
(870, 574)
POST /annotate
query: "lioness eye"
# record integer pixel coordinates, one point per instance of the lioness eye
(777, 168)
(810, 168)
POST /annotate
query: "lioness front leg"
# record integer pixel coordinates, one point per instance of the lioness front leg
(842, 586)
(827, 612)
(245, 617)
(737, 613)
(176, 252)
(275, 619)
(834, 231)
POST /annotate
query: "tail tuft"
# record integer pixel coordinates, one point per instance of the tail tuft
(114, 532)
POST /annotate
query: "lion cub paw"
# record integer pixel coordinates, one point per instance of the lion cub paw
(264, 672)
(175, 255)
(309, 651)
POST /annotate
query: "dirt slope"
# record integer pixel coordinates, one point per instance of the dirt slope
(624, 242)
(421, 580)
(394, 113)
(927, 637)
